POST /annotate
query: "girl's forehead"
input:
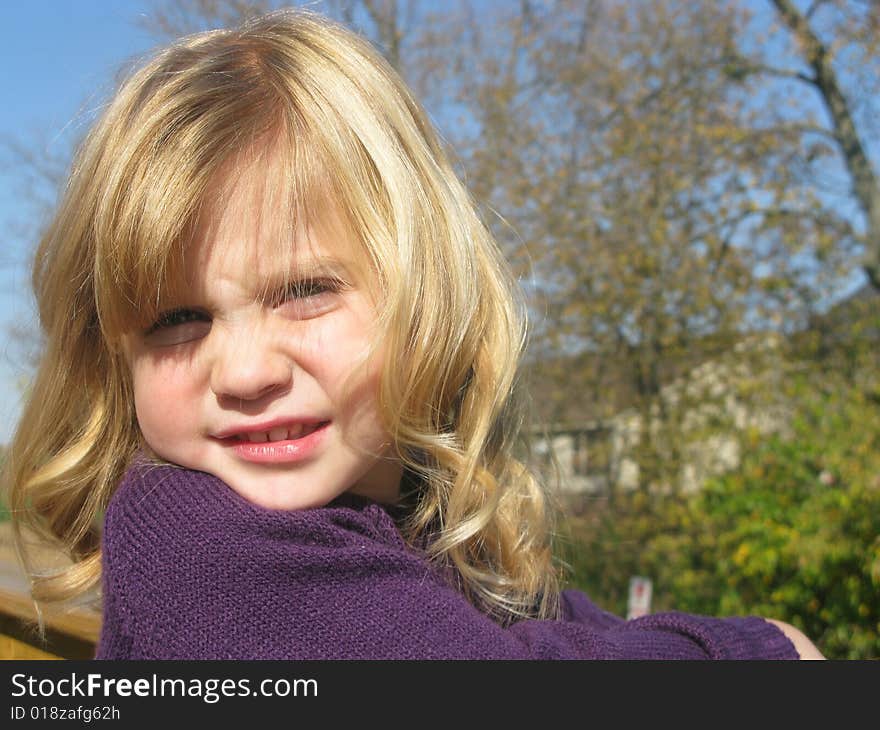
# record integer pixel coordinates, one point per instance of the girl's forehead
(265, 221)
(249, 225)
(256, 261)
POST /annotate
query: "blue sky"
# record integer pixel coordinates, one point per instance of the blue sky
(58, 61)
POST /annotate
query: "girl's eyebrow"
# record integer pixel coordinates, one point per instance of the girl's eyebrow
(313, 268)
(320, 265)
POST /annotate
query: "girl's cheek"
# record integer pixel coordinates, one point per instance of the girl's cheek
(164, 395)
(171, 374)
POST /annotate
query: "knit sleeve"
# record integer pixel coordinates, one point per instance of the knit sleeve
(676, 635)
(194, 571)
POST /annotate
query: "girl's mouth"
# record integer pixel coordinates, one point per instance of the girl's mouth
(279, 445)
(289, 433)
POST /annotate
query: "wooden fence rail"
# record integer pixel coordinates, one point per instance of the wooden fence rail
(70, 634)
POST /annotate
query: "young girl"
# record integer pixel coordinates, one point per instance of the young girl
(281, 358)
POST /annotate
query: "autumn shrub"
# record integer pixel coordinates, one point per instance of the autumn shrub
(793, 533)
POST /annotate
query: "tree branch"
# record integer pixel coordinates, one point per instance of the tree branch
(741, 68)
(854, 155)
(813, 8)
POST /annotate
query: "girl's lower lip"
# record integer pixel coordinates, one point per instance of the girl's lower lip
(280, 452)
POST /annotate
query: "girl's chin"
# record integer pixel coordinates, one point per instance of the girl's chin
(284, 497)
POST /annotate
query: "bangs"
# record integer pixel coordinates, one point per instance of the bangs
(141, 258)
(152, 270)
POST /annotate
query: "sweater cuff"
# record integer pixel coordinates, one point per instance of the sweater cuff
(752, 636)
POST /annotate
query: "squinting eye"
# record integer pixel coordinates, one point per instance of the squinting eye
(310, 287)
(178, 326)
(307, 298)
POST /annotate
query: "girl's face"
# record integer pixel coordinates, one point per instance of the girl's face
(246, 381)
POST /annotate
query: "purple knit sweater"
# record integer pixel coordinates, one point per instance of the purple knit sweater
(192, 570)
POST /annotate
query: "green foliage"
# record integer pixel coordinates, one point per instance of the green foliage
(793, 534)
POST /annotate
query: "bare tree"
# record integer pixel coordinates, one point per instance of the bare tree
(833, 56)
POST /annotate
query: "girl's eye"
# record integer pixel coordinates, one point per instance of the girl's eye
(178, 326)
(307, 298)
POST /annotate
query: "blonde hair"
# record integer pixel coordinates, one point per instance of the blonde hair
(342, 123)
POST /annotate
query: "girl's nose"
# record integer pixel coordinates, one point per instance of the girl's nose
(248, 368)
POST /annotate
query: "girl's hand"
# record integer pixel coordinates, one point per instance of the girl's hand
(802, 644)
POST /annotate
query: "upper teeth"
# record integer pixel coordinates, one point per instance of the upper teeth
(279, 434)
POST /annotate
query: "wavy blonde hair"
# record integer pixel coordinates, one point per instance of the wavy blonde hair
(322, 101)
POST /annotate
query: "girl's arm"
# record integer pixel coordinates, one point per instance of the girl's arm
(194, 571)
